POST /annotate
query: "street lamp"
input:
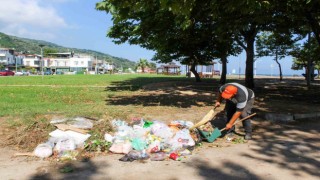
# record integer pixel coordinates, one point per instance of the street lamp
(41, 60)
(255, 67)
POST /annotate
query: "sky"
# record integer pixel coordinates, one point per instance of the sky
(76, 24)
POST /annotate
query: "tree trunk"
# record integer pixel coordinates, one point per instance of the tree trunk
(249, 37)
(193, 70)
(314, 25)
(308, 73)
(224, 70)
(280, 70)
(249, 81)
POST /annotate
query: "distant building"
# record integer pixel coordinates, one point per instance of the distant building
(53, 62)
(67, 62)
(204, 71)
(169, 69)
(32, 61)
(9, 59)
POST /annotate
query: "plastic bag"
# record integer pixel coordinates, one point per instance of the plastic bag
(138, 144)
(124, 132)
(155, 146)
(65, 144)
(43, 150)
(108, 137)
(139, 132)
(159, 156)
(78, 138)
(135, 155)
(162, 130)
(121, 147)
(182, 138)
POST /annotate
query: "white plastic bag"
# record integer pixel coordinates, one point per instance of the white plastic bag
(78, 138)
(108, 137)
(182, 138)
(43, 150)
(161, 130)
(65, 144)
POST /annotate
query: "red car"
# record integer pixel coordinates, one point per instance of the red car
(6, 73)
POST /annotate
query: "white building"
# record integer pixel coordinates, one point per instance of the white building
(10, 59)
(7, 56)
(32, 61)
(67, 62)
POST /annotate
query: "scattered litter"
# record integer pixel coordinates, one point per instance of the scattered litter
(134, 155)
(159, 156)
(175, 156)
(65, 127)
(77, 122)
(68, 155)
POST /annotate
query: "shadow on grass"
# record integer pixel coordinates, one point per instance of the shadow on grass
(178, 92)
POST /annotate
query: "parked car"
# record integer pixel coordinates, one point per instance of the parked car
(48, 73)
(21, 73)
(6, 73)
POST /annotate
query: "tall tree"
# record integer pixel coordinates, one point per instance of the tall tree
(307, 56)
(303, 13)
(245, 19)
(176, 30)
(276, 45)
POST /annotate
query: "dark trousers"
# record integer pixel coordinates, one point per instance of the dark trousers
(231, 109)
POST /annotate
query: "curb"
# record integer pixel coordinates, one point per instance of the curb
(292, 117)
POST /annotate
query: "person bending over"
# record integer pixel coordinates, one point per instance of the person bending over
(239, 102)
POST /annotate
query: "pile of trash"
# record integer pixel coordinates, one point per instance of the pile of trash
(152, 139)
(140, 140)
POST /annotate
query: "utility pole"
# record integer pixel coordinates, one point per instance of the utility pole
(239, 66)
(95, 70)
(15, 60)
(41, 60)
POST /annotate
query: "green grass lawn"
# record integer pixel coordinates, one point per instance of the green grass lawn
(24, 97)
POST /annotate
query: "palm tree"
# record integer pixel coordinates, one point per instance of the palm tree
(142, 63)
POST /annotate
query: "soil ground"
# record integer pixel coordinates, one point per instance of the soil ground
(278, 150)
